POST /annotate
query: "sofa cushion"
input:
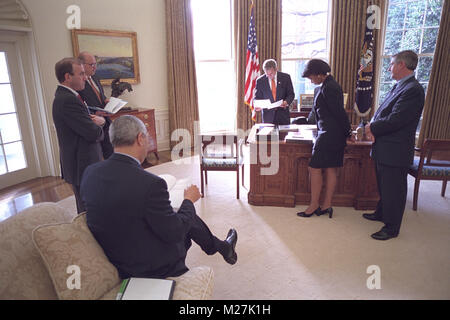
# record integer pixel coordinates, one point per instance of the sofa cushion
(72, 244)
(196, 284)
(23, 275)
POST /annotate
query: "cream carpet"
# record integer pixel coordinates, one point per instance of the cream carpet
(282, 256)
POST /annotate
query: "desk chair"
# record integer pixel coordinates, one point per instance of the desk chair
(221, 152)
(425, 168)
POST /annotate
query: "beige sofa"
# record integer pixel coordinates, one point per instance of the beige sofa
(39, 245)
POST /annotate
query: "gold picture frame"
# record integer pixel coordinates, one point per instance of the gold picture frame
(115, 51)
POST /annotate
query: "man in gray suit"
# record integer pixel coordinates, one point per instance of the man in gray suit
(393, 131)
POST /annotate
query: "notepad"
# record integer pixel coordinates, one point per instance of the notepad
(146, 289)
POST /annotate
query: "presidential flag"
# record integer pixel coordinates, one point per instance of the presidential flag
(252, 65)
(365, 78)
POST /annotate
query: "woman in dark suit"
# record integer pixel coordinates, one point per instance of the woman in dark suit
(333, 128)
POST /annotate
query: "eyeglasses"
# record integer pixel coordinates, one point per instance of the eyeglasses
(91, 64)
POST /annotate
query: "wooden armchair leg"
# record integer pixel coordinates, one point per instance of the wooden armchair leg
(243, 176)
(206, 177)
(444, 186)
(237, 184)
(201, 183)
(416, 193)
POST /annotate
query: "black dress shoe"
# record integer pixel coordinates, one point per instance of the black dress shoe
(371, 216)
(328, 211)
(231, 256)
(382, 235)
(307, 215)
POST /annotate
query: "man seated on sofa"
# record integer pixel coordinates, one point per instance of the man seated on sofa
(129, 212)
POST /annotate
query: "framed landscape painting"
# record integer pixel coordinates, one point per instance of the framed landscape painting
(115, 52)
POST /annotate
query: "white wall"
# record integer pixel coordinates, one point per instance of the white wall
(145, 17)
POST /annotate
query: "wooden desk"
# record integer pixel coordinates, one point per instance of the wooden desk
(356, 187)
(148, 117)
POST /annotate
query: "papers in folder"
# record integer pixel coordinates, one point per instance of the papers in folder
(266, 104)
(146, 289)
(114, 105)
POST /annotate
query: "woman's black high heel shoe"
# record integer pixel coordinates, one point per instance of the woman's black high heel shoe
(307, 215)
(328, 211)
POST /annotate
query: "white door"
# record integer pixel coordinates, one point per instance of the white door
(17, 156)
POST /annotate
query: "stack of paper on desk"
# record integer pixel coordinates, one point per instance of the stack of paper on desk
(305, 136)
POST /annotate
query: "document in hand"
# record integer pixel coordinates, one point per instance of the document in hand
(114, 105)
(146, 289)
(266, 104)
(176, 189)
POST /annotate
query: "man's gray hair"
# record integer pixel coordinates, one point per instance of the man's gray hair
(409, 57)
(125, 129)
(269, 64)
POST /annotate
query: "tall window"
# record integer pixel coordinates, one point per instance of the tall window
(12, 156)
(304, 36)
(411, 25)
(213, 45)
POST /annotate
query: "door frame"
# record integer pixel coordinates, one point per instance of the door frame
(34, 113)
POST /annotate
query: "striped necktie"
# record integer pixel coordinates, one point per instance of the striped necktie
(95, 90)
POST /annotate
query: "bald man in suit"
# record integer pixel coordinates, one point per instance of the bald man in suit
(94, 96)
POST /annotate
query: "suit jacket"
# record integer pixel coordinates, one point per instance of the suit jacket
(285, 91)
(333, 126)
(129, 213)
(91, 99)
(89, 96)
(78, 136)
(395, 122)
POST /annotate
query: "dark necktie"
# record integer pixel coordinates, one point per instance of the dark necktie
(386, 100)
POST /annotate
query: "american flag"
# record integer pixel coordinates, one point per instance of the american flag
(252, 66)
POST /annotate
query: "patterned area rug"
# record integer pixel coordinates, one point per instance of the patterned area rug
(282, 256)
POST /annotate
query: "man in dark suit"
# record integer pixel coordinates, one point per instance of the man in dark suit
(393, 131)
(94, 96)
(79, 133)
(130, 215)
(275, 86)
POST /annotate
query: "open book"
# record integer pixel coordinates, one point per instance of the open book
(146, 289)
(176, 189)
(114, 105)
